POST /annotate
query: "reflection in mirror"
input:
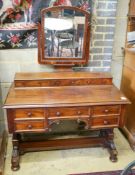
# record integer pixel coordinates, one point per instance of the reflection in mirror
(64, 33)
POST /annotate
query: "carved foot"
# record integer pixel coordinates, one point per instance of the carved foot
(109, 135)
(15, 159)
(113, 155)
(112, 150)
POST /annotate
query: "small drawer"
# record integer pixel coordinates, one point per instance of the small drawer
(68, 112)
(29, 113)
(25, 125)
(103, 122)
(106, 110)
(32, 83)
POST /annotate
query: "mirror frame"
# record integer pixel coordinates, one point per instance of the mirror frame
(61, 60)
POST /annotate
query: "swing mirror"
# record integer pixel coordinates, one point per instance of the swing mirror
(64, 36)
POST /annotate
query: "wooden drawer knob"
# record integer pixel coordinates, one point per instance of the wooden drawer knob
(29, 114)
(106, 122)
(58, 113)
(73, 82)
(29, 126)
(78, 112)
(106, 110)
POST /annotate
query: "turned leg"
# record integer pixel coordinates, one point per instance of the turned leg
(15, 154)
(109, 136)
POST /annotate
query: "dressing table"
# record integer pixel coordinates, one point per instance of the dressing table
(63, 109)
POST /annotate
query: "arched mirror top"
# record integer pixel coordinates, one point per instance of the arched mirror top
(64, 36)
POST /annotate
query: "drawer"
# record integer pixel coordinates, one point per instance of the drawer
(62, 82)
(106, 110)
(103, 122)
(29, 113)
(92, 81)
(28, 125)
(37, 83)
(68, 112)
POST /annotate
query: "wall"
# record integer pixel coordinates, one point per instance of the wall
(120, 37)
(102, 41)
(103, 36)
(2, 121)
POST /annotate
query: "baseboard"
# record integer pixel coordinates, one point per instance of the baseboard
(3, 149)
(129, 136)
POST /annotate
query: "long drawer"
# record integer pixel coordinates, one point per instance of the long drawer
(62, 82)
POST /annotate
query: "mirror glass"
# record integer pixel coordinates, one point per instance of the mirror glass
(64, 31)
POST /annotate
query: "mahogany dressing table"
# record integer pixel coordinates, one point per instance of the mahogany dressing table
(42, 108)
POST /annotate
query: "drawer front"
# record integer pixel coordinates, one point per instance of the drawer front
(106, 110)
(34, 83)
(68, 112)
(29, 113)
(93, 81)
(104, 122)
(30, 126)
(62, 82)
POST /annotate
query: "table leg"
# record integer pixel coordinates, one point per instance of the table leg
(109, 144)
(113, 151)
(15, 153)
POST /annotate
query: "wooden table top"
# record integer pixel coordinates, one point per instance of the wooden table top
(64, 96)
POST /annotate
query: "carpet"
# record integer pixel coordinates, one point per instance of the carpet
(17, 18)
(118, 172)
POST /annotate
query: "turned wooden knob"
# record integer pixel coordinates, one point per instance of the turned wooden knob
(78, 112)
(88, 82)
(58, 113)
(29, 114)
(29, 126)
(73, 82)
(106, 122)
(106, 110)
